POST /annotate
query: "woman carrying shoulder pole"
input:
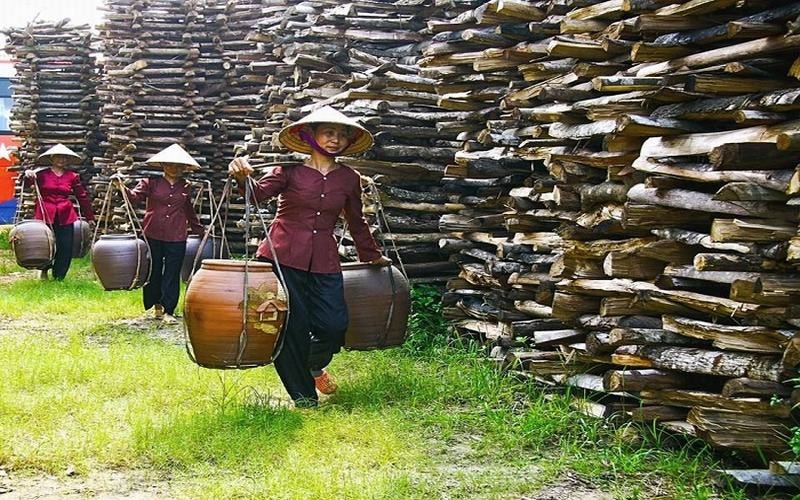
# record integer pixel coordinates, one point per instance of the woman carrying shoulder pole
(310, 199)
(56, 184)
(168, 216)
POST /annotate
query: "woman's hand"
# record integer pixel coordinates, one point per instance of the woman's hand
(381, 261)
(240, 168)
(30, 174)
(117, 180)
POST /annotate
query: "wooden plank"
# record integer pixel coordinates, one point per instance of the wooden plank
(754, 48)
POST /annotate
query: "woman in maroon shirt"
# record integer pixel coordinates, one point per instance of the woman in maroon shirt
(310, 198)
(168, 216)
(56, 184)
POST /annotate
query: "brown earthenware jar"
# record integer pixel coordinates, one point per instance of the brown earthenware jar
(121, 261)
(213, 249)
(214, 313)
(33, 243)
(378, 306)
(81, 238)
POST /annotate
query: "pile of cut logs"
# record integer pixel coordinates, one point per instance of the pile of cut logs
(231, 91)
(647, 259)
(174, 72)
(360, 57)
(150, 82)
(54, 90)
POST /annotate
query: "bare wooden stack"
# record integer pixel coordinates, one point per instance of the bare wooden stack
(150, 82)
(54, 90)
(238, 109)
(668, 167)
(359, 58)
(477, 57)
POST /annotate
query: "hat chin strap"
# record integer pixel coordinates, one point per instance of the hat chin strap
(311, 141)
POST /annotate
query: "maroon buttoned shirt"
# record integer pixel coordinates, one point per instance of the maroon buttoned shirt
(56, 191)
(308, 207)
(169, 208)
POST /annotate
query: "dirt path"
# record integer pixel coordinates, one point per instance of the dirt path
(111, 485)
(143, 326)
(139, 485)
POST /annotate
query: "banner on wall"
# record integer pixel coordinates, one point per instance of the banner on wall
(8, 146)
(8, 203)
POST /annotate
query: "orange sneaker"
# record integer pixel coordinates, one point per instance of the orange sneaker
(325, 383)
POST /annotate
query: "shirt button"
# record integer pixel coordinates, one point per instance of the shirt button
(317, 213)
(322, 196)
(167, 216)
(169, 204)
(324, 178)
(314, 231)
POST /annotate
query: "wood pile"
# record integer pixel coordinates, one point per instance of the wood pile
(361, 58)
(231, 91)
(150, 82)
(648, 259)
(54, 90)
(176, 71)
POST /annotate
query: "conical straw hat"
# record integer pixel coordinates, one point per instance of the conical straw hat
(289, 136)
(62, 150)
(173, 154)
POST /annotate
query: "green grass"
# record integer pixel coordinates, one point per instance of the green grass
(4, 230)
(432, 419)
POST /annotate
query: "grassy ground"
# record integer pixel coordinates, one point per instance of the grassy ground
(87, 391)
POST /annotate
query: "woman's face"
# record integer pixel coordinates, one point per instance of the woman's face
(332, 137)
(173, 170)
(60, 161)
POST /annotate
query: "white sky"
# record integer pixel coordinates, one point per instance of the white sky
(20, 12)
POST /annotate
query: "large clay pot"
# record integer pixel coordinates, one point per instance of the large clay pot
(121, 261)
(33, 243)
(81, 238)
(213, 313)
(213, 249)
(374, 299)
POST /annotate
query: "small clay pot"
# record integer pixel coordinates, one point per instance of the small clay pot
(81, 239)
(213, 249)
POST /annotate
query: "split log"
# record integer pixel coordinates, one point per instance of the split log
(638, 380)
(695, 360)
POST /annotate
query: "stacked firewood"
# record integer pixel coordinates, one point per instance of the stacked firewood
(649, 248)
(150, 82)
(231, 91)
(360, 58)
(173, 72)
(54, 90)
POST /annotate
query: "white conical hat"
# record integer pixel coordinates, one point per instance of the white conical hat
(173, 154)
(62, 150)
(289, 136)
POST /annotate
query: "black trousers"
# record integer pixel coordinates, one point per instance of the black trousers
(315, 330)
(164, 286)
(63, 257)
